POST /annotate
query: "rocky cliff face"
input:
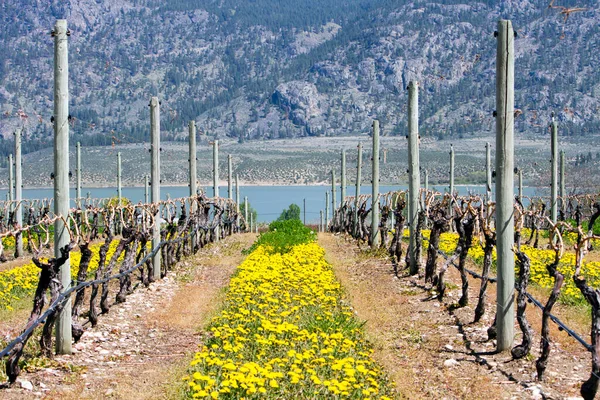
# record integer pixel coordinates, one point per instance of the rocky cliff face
(253, 71)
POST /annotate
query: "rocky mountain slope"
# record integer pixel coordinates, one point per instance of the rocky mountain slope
(270, 69)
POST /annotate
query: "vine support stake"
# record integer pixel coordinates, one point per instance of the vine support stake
(237, 199)
(78, 176)
(326, 211)
(304, 210)
(192, 160)
(343, 178)
(155, 180)
(520, 193)
(321, 223)
(505, 107)
(216, 179)
(61, 175)
(146, 188)
(358, 178)
(11, 179)
(414, 184)
(229, 177)
(246, 212)
(554, 170)
(18, 192)
(562, 193)
(451, 170)
(333, 193)
(375, 187)
(488, 171)
(119, 187)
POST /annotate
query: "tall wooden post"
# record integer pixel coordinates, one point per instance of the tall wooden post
(146, 189)
(251, 226)
(520, 193)
(562, 193)
(304, 210)
(375, 187)
(452, 170)
(321, 223)
(11, 179)
(488, 171)
(358, 179)
(246, 213)
(326, 211)
(505, 108)
(229, 177)
(155, 180)
(61, 174)
(119, 187)
(414, 184)
(216, 168)
(554, 171)
(78, 176)
(18, 192)
(192, 159)
(237, 199)
(343, 178)
(333, 194)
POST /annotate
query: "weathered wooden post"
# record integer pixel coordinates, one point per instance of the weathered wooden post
(505, 108)
(11, 179)
(333, 194)
(520, 186)
(216, 180)
(562, 193)
(358, 179)
(488, 171)
(451, 170)
(326, 210)
(426, 180)
(237, 200)
(321, 223)
(414, 185)
(375, 186)
(343, 178)
(246, 213)
(155, 181)
(192, 160)
(146, 189)
(554, 169)
(61, 175)
(18, 192)
(119, 188)
(78, 176)
(229, 177)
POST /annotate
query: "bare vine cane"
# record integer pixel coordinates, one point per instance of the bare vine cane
(558, 247)
(590, 386)
(524, 264)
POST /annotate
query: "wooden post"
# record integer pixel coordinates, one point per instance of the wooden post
(11, 179)
(414, 184)
(18, 192)
(155, 180)
(488, 171)
(451, 170)
(61, 175)
(146, 189)
(321, 223)
(554, 170)
(229, 177)
(562, 193)
(333, 194)
(520, 186)
(358, 178)
(216, 168)
(375, 186)
(237, 199)
(251, 222)
(505, 108)
(192, 159)
(343, 178)
(246, 213)
(326, 211)
(119, 188)
(78, 177)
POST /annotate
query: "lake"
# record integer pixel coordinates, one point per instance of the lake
(268, 201)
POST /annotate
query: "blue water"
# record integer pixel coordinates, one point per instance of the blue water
(268, 201)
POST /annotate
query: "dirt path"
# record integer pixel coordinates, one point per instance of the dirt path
(432, 352)
(141, 348)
